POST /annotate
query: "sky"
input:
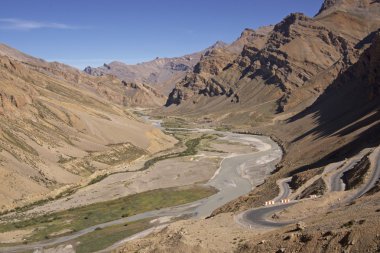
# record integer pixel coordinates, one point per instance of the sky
(89, 33)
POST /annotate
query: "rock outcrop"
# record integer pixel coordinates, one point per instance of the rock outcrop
(288, 66)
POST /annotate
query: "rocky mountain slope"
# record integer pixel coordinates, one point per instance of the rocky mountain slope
(59, 126)
(160, 73)
(342, 121)
(330, 116)
(283, 71)
(107, 86)
(163, 73)
(314, 87)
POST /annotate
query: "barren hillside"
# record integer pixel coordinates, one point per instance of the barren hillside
(283, 70)
(58, 128)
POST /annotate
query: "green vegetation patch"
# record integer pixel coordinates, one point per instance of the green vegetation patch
(76, 219)
(223, 128)
(105, 237)
(98, 179)
(173, 122)
(191, 149)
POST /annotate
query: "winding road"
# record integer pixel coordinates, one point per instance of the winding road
(375, 176)
(337, 184)
(285, 190)
(258, 217)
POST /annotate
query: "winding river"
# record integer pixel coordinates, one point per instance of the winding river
(237, 175)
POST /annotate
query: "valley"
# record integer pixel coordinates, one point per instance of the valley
(267, 143)
(230, 164)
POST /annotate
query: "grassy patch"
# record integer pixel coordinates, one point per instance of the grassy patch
(76, 219)
(103, 238)
(223, 128)
(191, 149)
(97, 179)
(173, 122)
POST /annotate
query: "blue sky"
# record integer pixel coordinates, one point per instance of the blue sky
(81, 33)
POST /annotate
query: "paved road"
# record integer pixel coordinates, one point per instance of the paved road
(285, 190)
(237, 175)
(336, 179)
(374, 177)
(259, 217)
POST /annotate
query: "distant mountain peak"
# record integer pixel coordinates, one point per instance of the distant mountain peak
(293, 18)
(219, 44)
(329, 6)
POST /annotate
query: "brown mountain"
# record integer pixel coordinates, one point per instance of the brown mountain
(160, 73)
(314, 86)
(163, 73)
(59, 126)
(107, 86)
(342, 121)
(281, 71)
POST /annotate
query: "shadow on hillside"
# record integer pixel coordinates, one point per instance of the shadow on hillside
(369, 138)
(351, 103)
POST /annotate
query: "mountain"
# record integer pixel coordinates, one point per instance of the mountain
(283, 70)
(159, 73)
(358, 7)
(107, 86)
(163, 73)
(340, 123)
(313, 85)
(60, 127)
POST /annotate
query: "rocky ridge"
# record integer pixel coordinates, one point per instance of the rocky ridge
(288, 58)
(159, 73)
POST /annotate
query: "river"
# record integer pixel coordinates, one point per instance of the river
(237, 175)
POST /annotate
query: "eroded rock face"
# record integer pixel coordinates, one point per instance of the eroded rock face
(92, 71)
(328, 4)
(11, 98)
(178, 67)
(365, 72)
(175, 97)
(215, 62)
(299, 56)
(297, 49)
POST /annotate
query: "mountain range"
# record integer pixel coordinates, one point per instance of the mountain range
(310, 83)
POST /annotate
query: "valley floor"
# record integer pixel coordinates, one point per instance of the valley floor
(203, 160)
